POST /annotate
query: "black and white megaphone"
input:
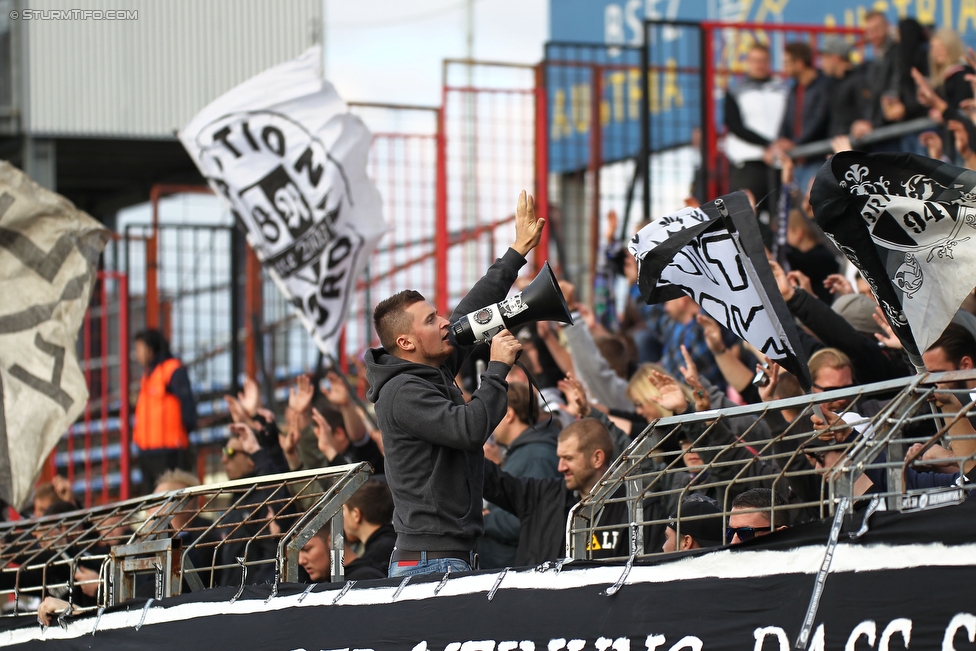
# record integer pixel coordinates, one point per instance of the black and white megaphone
(542, 300)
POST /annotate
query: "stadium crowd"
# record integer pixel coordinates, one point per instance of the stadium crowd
(552, 424)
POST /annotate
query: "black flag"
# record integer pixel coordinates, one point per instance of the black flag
(908, 224)
(715, 255)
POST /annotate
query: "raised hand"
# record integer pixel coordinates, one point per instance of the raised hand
(672, 397)
(713, 333)
(300, 396)
(841, 430)
(62, 488)
(932, 143)
(249, 442)
(782, 281)
(838, 285)
(703, 401)
(768, 392)
(888, 339)
(323, 432)
(250, 397)
(577, 403)
(288, 439)
(236, 411)
(528, 228)
(335, 390)
(800, 279)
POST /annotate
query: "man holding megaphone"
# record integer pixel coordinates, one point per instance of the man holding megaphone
(433, 440)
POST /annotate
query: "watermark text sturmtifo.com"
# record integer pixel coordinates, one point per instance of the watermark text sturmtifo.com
(75, 14)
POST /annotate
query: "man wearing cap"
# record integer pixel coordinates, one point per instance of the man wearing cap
(697, 529)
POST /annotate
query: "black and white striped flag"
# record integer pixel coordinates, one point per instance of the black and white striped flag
(715, 255)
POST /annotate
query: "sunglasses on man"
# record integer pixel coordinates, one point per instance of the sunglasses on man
(744, 533)
(229, 452)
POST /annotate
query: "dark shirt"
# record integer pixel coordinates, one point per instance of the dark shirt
(847, 103)
(807, 121)
(882, 75)
(816, 264)
(376, 555)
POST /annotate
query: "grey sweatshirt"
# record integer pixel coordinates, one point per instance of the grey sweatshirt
(433, 440)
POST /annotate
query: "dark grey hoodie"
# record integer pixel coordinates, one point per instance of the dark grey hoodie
(433, 441)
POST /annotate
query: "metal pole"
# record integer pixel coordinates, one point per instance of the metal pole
(237, 248)
(124, 385)
(644, 162)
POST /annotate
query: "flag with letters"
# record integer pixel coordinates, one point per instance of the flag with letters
(49, 254)
(908, 223)
(288, 158)
(715, 255)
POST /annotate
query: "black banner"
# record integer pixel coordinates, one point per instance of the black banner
(906, 584)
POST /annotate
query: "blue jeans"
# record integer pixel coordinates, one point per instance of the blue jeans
(427, 566)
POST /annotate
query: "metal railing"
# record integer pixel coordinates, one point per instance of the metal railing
(235, 533)
(774, 445)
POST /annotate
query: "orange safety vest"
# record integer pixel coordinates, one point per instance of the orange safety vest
(159, 420)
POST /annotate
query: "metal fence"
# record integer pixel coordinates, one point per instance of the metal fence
(774, 446)
(237, 533)
(595, 144)
(491, 120)
(94, 453)
(690, 68)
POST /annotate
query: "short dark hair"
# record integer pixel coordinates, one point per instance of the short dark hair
(332, 416)
(614, 350)
(800, 51)
(956, 342)
(762, 498)
(390, 318)
(521, 399)
(154, 341)
(760, 46)
(374, 501)
(591, 435)
(45, 491)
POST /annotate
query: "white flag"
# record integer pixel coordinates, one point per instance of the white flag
(290, 160)
(48, 256)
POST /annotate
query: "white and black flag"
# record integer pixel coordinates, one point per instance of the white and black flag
(290, 160)
(715, 255)
(49, 253)
(908, 224)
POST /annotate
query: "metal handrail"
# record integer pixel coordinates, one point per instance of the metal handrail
(268, 519)
(646, 477)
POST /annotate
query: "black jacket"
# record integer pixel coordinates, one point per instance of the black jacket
(871, 363)
(813, 114)
(847, 103)
(433, 440)
(542, 506)
(376, 556)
